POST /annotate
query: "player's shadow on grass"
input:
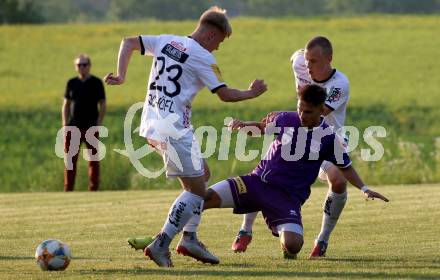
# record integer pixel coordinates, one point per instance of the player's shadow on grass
(382, 260)
(158, 272)
(11, 258)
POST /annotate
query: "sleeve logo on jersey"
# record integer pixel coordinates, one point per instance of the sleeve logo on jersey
(217, 72)
(303, 80)
(334, 94)
(174, 53)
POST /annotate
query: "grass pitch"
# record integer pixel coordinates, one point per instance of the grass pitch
(373, 240)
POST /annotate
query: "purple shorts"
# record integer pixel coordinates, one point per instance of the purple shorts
(277, 206)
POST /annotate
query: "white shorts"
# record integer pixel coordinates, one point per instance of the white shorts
(325, 166)
(182, 157)
(291, 227)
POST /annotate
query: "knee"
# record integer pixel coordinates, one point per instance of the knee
(338, 184)
(292, 243)
(212, 200)
(292, 247)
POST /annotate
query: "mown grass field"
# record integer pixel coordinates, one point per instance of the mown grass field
(390, 61)
(373, 240)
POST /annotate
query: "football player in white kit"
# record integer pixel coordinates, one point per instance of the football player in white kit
(183, 65)
(312, 65)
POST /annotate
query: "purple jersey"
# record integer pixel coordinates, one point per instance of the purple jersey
(295, 156)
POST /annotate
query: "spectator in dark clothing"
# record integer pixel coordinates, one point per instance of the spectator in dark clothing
(83, 107)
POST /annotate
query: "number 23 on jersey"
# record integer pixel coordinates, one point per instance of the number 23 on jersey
(173, 73)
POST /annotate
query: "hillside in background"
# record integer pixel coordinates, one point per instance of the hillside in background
(34, 11)
(390, 61)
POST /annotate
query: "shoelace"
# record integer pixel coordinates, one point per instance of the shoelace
(240, 235)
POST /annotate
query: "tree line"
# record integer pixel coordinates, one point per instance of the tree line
(48, 11)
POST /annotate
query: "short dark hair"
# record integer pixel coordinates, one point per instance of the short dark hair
(312, 94)
(85, 56)
(322, 42)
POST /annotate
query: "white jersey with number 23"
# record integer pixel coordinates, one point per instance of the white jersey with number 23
(180, 69)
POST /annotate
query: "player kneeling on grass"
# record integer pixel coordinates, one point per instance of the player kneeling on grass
(281, 183)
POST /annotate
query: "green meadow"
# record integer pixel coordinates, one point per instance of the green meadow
(373, 239)
(392, 64)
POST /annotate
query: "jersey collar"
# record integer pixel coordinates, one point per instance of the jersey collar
(189, 36)
(326, 80)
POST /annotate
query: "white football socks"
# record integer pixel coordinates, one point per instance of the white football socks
(183, 208)
(248, 221)
(194, 221)
(223, 190)
(333, 205)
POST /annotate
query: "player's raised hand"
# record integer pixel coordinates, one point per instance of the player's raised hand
(235, 124)
(372, 195)
(270, 117)
(109, 79)
(258, 87)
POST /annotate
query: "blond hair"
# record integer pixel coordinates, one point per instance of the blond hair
(216, 17)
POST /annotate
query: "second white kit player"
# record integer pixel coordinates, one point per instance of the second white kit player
(312, 65)
(183, 65)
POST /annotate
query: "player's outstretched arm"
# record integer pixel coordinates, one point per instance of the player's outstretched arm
(128, 45)
(270, 117)
(352, 176)
(237, 124)
(256, 88)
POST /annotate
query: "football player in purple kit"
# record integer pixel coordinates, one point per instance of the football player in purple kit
(312, 65)
(281, 183)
